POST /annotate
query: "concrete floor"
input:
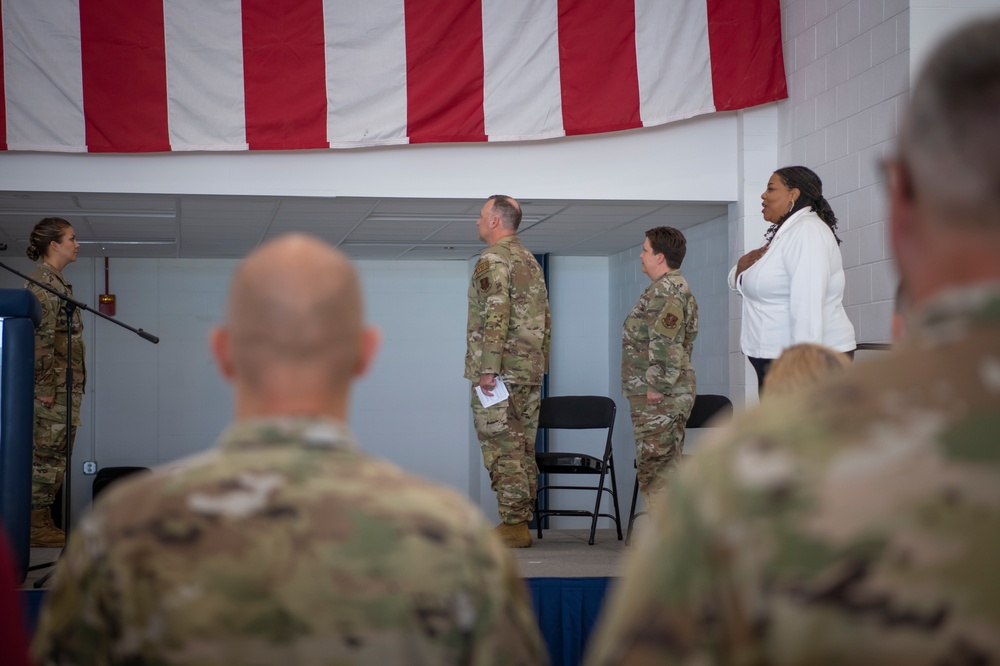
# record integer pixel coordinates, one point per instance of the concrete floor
(558, 554)
(566, 554)
(39, 556)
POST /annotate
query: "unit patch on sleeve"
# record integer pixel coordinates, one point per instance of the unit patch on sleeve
(670, 320)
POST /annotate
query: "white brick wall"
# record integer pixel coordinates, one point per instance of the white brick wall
(705, 268)
(848, 73)
(758, 137)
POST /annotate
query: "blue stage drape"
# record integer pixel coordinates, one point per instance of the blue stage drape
(567, 609)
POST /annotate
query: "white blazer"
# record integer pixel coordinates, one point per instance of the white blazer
(795, 292)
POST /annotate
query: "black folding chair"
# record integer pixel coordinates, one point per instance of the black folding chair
(579, 412)
(706, 407)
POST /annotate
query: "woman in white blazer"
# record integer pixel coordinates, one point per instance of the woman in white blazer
(793, 286)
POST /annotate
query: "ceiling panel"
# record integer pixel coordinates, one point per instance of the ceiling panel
(620, 210)
(442, 252)
(375, 250)
(18, 203)
(460, 232)
(125, 202)
(446, 207)
(134, 225)
(325, 230)
(391, 230)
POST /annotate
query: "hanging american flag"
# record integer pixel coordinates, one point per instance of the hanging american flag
(166, 75)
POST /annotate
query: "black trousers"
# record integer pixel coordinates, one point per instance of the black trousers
(762, 365)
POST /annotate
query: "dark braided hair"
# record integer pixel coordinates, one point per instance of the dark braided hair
(810, 189)
(47, 230)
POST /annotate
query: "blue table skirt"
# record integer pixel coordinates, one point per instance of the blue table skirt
(566, 609)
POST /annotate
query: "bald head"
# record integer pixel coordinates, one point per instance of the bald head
(294, 325)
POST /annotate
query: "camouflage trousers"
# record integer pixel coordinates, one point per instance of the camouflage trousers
(659, 439)
(48, 460)
(506, 434)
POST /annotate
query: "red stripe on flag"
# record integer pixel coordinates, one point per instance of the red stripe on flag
(284, 74)
(444, 71)
(745, 42)
(124, 76)
(3, 99)
(597, 66)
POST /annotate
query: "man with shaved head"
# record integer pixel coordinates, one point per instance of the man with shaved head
(286, 544)
(507, 334)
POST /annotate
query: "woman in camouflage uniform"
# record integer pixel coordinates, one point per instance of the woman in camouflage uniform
(53, 244)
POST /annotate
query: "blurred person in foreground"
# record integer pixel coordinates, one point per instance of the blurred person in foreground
(801, 366)
(287, 544)
(858, 523)
(13, 638)
(900, 307)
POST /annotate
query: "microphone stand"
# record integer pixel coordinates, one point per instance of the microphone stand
(69, 305)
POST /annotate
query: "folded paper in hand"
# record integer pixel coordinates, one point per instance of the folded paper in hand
(499, 394)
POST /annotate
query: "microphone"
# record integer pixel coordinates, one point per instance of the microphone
(148, 336)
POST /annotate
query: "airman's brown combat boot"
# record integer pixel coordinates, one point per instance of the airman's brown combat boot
(514, 536)
(44, 533)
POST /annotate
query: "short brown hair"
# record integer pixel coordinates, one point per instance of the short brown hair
(670, 243)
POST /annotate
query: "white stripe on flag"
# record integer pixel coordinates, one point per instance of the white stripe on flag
(675, 66)
(365, 72)
(522, 96)
(204, 52)
(43, 76)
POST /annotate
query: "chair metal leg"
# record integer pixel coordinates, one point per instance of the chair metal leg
(631, 512)
(597, 506)
(538, 517)
(614, 497)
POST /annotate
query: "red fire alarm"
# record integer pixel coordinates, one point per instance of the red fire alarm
(106, 304)
(106, 301)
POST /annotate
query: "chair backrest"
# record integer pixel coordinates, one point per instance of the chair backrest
(109, 475)
(577, 412)
(708, 406)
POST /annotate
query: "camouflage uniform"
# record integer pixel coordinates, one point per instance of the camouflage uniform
(508, 335)
(858, 523)
(657, 340)
(49, 454)
(286, 545)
